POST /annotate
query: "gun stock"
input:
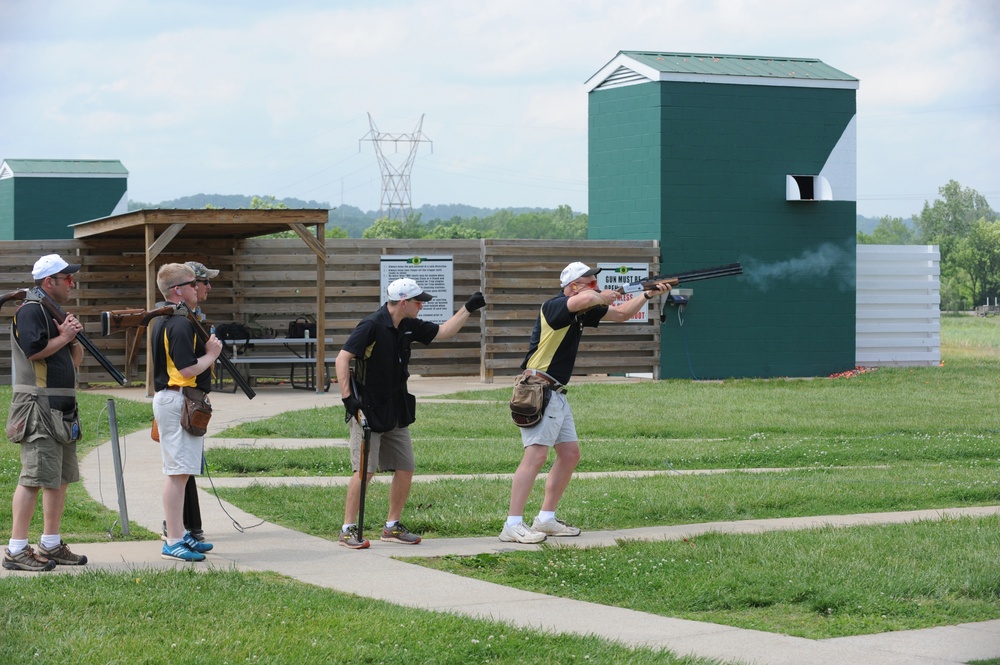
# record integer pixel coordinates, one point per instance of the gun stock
(728, 270)
(18, 295)
(122, 319)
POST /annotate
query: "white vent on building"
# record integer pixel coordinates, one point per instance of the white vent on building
(807, 188)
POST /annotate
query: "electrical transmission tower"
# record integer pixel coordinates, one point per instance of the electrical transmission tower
(396, 167)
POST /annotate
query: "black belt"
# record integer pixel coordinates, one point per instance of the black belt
(174, 388)
(539, 374)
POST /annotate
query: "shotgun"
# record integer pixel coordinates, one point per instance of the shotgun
(114, 321)
(59, 316)
(727, 270)
(363, 466)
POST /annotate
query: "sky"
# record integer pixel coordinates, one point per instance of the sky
(281, 98)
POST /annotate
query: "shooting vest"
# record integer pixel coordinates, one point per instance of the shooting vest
(31, 417)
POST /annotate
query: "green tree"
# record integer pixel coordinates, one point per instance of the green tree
(950, 218)
(978, 255)
(266, 203)
(890, 231)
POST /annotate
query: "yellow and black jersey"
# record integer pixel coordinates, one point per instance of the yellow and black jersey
(175, 346)
(555, 338)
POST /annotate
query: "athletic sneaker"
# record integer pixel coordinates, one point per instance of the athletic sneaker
(399, 534)
(555, 528)
(62, 556)
(180, 552)
(26, 559)
(197, 534)
(350, 539)
(521, 533)
(196, 545)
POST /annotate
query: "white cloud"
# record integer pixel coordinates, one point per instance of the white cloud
(245, 98)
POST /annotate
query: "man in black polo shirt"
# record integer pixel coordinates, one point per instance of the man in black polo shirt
(551, 356)
(45, 356)
(380, 348)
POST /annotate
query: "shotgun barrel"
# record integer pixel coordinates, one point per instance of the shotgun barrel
(728, 270)
(59, 315)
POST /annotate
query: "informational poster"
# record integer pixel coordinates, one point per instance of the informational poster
(434, 274)
(613, 275)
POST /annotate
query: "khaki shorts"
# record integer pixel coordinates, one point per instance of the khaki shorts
(388, 451)
(181, 452)
(556, 426)
(47, 463)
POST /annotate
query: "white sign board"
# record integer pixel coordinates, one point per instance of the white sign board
(613, 275)
(434, 274)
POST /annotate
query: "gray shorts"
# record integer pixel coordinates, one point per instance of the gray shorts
(181, 452)
(388, 451)
(48, 463)
(556, 426)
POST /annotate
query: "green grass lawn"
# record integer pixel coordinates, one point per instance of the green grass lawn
(893, 439)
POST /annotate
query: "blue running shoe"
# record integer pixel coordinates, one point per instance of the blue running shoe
(196, 545)
(180, 552)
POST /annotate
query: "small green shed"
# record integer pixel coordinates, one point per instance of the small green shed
(40, 198)
(726, 158)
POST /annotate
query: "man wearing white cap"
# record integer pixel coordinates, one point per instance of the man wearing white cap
(551, 356)
(380, 349)
(44, 358)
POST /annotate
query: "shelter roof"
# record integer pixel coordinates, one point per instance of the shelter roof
(201, 223)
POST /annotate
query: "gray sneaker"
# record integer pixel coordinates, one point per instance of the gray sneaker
(62, 556)
(399, 534)
(350, 539)
(26, 559)
(555, 528)
(521, 533)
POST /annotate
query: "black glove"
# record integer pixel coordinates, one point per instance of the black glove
(475, 302)
(351, 406)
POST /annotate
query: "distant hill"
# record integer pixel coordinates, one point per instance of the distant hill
(351, 219)
(868, 224)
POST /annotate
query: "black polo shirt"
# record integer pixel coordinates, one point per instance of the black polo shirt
(382, 357)
(33, 327)
(555, 339)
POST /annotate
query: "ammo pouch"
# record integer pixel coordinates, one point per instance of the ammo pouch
(31, 416)
(529, 399)
(196, 412)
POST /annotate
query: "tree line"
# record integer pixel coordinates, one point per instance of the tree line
(966, 230)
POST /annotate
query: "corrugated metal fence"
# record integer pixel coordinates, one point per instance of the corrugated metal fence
(266, 283)
(898, 305)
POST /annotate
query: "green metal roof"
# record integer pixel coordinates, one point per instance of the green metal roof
(64, 167)
(739, 65)
(635, 67)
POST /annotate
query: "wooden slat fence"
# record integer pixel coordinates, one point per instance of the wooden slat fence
(266, 283)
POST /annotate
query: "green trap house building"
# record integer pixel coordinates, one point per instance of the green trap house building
(727, 158)
(40, 198)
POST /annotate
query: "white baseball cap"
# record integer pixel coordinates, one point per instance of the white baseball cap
(406, 289)
(52, 264)
(575, 271)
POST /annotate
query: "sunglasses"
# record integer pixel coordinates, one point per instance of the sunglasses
(68, 278)
(177, 286)
(203, 281)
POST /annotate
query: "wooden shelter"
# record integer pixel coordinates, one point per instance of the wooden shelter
(157, 229)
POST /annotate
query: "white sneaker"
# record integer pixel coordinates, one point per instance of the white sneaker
(520, 533)
(555, 528)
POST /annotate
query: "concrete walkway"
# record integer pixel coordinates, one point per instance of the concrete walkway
(266, 547)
